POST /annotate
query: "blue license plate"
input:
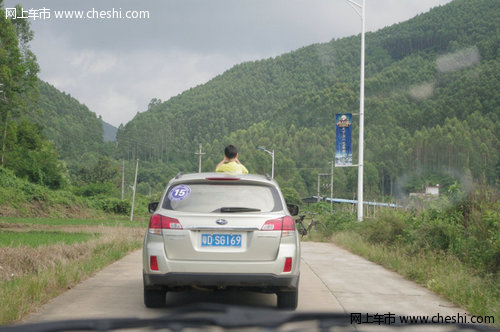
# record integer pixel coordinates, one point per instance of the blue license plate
(221, 240)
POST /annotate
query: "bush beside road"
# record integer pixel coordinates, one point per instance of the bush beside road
(452, 247)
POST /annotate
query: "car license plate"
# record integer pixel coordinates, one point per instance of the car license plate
(221, 240)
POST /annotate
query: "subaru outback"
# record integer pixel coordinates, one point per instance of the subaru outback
(221, 231)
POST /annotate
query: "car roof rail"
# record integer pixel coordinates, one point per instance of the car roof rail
(178, 175)
(268, 176)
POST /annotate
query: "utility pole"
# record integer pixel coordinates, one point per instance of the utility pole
(320, 175)
(123, 178)
(332, 163)
(133, 190)
(199, 158)
(317, 198)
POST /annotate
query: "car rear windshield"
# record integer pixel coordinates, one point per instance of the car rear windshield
(217, 198)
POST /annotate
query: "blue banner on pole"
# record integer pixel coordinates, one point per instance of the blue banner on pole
(343, 140)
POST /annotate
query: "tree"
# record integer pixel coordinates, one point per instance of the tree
(291, 196)
(18, 70)
(104, 170)
(31, 156)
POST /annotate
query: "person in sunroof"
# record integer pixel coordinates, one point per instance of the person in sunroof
(230, 163)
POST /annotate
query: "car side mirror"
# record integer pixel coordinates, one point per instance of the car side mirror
(153, 206)
(293, 209)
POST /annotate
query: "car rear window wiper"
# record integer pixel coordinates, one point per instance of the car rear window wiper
(237, 209)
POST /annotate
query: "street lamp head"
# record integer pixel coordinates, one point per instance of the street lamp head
(266, 151)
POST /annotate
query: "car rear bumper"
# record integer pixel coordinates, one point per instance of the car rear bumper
(218, 280)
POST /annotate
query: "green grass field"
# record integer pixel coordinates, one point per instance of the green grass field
(118, 222)
(41, 238)
(42, 257)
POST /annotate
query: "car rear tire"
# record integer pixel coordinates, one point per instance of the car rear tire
(288, 300)
(155, 298)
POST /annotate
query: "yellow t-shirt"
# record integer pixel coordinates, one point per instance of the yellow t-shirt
(232, 167)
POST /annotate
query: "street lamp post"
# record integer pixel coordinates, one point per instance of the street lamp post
(271, 153)
(332, 164)
(361, 13)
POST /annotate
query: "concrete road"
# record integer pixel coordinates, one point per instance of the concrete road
(332, 279)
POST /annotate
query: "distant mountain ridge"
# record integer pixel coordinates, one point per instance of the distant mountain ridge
(109, 132)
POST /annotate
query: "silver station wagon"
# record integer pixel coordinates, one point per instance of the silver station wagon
(221, 231)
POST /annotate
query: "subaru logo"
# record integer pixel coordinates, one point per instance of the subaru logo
(221, 221)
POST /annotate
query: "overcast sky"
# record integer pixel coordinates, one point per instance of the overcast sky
(116, 66)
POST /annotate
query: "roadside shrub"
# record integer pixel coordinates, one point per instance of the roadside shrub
(112, 205)
(20, 188)
(388, 228)
(453, 248)
(34, 192)
(7, 178)
(491, 247)
(26, 198)
(479, 245)
(469, 230)
(340, 220)
(65, 197)
(321, 208)
(440, 233)
(94, 189)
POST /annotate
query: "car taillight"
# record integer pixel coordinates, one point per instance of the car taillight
(153, 263)
(171, 223)
(157, 222)
(288, 224)
(284, 224)
(288, 265)
(272, 225)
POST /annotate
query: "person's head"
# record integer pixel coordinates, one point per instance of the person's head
(230, 151)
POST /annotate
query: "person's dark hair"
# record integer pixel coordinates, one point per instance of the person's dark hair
(230, 151)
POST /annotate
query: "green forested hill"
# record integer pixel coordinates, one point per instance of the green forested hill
(432, 107)
(70, 125)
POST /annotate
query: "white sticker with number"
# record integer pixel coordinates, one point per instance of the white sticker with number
(180, 192)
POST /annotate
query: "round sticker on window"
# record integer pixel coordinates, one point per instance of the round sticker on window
(178, 193)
